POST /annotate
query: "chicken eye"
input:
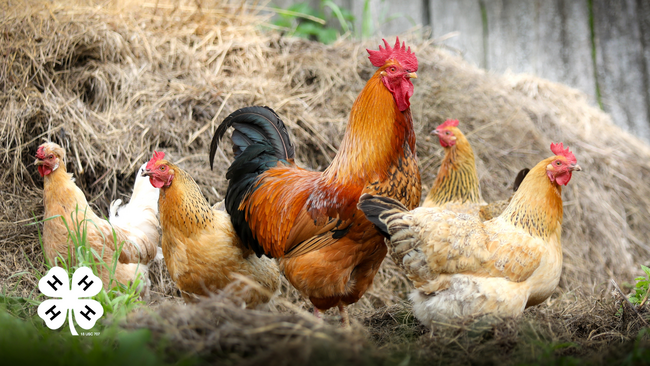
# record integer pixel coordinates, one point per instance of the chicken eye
(51, 156)
(558, 163)
(447, 133)
(162, 167)
(393, 69)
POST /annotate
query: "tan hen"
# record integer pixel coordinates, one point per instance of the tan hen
(62, 197)
(456, 187)
(461, 266)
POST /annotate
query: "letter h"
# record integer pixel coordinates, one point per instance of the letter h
(83, 280)
(87, 312)
(56, 281)
(51, 311)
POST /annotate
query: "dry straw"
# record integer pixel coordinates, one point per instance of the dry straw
(111, 82)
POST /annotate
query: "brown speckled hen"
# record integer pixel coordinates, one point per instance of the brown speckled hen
(456, 187)
(202, 251)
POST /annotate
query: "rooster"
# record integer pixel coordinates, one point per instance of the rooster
(309, 220)
(461, 266)
(456, 187)
(139, 238)
(201, 250)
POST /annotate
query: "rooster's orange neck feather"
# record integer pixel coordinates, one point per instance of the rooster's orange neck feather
(376, 136)
(537, 205)
(457, 180)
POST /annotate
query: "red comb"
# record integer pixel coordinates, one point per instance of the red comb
(449, 123)
(157, 155)
(40, 153)
(558, 149)
(404, 56)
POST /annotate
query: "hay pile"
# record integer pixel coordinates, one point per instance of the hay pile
(111, 83)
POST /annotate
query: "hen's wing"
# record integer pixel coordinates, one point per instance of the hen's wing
(211, 259)
(493, 209)
(428, 242)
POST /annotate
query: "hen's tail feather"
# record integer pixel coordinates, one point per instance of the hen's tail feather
(520, 178)
(254, 125)
(392, 219)
(115, 205)
(381, 211)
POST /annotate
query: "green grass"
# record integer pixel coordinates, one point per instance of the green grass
(25, 339)
(641, 288)
(304, 21)
(117, 300)
(29, 342)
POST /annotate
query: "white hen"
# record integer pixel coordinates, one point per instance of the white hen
(139, 217)
(141, 213)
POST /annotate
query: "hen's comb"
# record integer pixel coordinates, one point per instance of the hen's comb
(558, 149)
(40, 153)
(448, 123)
(157, 155)
(404, 56)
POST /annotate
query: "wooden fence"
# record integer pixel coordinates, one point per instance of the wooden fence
(601, 47)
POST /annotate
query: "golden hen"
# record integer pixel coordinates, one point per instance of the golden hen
(201, 249)
(62, 197)
(461, 266)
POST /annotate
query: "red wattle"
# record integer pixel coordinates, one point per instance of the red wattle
(563, 179)
(401, 93)
(44, 170)
(157, 183)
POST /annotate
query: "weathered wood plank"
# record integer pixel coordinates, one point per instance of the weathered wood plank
(548, 38)
(620, 63)
(644, 25)
(563, 50)
(464, 17)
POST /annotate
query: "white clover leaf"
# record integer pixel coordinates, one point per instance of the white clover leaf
(56, 283)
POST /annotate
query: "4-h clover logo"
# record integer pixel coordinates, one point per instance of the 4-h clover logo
(56, 283)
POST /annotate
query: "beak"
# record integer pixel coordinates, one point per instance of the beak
(38, 162)
(576, 168)
(434, 132)
(146, 173)
(412, 75)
